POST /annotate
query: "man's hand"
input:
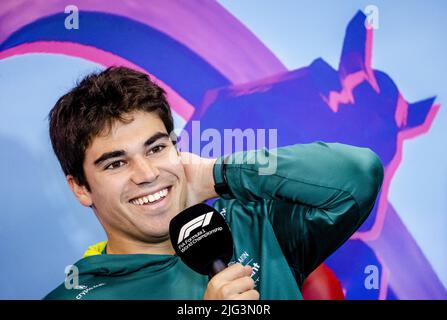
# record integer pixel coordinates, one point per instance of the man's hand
(199, 176)
(232, 283)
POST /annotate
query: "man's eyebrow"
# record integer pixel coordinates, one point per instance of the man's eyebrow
(109, 155)
(120, 153)
(155, 137)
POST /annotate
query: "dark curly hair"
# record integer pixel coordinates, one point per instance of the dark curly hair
(94, 105)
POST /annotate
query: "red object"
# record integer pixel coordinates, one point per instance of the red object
(322, 284)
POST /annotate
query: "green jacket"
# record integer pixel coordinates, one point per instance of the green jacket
(284, 224)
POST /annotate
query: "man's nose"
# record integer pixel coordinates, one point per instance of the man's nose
(144, 171)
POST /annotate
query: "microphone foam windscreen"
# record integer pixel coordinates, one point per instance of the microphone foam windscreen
(200, 236)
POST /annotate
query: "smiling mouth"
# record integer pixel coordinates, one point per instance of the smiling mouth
(151, 198)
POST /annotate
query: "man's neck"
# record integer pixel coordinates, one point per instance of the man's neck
(128, 246)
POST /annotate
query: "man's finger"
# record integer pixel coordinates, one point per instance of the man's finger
(247, 295)
(233, 272)
(239, 285)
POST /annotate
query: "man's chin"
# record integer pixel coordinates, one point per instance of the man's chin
(158, 238)
(155, 236)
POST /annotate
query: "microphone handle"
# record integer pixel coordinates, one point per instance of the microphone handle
(217, 266)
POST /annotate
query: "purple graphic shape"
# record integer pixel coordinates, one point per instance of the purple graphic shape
(355, 105)
(212, 32)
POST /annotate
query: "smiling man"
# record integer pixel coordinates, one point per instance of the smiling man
(134, 189)
(112, 135)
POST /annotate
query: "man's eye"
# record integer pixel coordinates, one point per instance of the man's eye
(157, 149)
(114, 165)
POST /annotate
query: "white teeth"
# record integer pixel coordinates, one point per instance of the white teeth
(151, 198)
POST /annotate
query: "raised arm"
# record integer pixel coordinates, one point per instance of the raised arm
(316, 198)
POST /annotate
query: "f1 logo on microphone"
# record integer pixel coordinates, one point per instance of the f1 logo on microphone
(200, 221)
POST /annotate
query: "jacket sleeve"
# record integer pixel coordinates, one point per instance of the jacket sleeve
(316, 195)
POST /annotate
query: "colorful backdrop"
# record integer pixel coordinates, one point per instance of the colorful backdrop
(347, 71)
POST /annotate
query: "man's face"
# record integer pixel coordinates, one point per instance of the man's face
(136, 186)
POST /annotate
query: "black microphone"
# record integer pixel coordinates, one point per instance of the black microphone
(202, 239)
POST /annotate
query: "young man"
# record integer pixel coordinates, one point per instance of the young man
(111, 135)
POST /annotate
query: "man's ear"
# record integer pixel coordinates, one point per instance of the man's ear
(80, 192)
